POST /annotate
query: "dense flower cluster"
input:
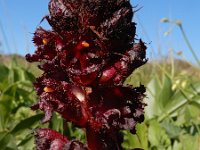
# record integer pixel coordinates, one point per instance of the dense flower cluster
(86, 58)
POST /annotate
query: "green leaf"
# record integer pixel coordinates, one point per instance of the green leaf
(177, 145)
(142, 133)
(172, 130)
(157, 135)
(190, 142)
(166, 92)
(130, 141)
(8, 142)
(26, 123)
(23, 112)
(152, 109)
(138, 140)
(4, 73)
(3, 117)
(25, 140)
(3, 134)
(29, 76)
(56, 123)
(73, 132)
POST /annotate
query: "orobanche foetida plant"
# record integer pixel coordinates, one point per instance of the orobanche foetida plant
(85, 58)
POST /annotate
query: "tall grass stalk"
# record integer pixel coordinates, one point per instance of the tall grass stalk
(188, 43)
(4, 36)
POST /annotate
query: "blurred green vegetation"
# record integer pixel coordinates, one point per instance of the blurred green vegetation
(172, 114)
(17, 120)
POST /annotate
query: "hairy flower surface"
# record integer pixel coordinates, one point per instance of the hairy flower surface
(47, 139)
(86, 57)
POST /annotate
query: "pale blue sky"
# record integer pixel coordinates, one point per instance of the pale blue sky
(19, 19)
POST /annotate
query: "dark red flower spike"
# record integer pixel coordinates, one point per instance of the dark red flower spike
(86, 58)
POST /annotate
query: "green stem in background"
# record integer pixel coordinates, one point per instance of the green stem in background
(197, 127)
(188, 43)
(67, 129)
(163, 117)
(184, 102)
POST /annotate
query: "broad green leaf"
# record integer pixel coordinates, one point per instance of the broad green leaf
(27, 139)
(139, 140)
(29, 76)
(26, 123)
(178, 101)
(57, 123)
(27, 143)
(23, 112)
(3, 117)
(172, 130)
(191, 114)
(157, 135)
(73, 132)
(5, 110)
(152, 109)
(165, 94)
(142, 134)
(196, 87)
(177, 145)
(4, 73)
(190, 142)
(3, 134)
(8, 142)
(130, 141)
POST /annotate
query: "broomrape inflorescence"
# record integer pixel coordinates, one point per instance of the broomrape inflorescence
(86, 57)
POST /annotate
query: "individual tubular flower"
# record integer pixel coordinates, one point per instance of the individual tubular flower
(86, 58)
(47, 139)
